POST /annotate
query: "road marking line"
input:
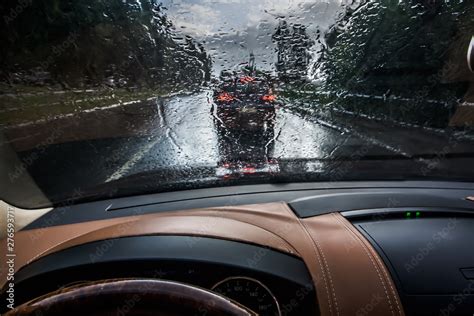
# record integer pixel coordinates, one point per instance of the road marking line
(130, 163)
(145, 149)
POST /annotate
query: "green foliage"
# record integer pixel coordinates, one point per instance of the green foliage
(401, 50)
(393, 45)
(93, 42)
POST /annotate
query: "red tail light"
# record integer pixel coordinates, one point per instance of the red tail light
(249, 170)
(269, 98)
(246, 79)
(225, 97)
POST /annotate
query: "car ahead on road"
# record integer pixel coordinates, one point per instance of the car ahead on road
(246, 154)
(246, 102)
(228, 170)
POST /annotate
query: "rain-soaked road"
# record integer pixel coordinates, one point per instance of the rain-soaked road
(184, 133)
(189, 134)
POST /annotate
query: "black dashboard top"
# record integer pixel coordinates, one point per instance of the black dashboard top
(306, 199)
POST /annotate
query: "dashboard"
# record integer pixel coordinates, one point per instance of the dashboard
(267, 281)
(396, 248)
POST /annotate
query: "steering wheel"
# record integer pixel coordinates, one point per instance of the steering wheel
(131, 297)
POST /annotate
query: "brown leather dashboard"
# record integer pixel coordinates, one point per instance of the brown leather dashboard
(328, 244)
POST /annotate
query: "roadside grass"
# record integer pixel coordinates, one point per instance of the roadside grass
(33, 104)
(402, 110)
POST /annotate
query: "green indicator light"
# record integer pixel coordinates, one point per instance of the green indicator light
(418, 214)
(408, 214)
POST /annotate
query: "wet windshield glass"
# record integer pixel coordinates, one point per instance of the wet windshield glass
(121, 97)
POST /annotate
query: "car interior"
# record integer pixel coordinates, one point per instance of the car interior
(390, 248)
(237, 157)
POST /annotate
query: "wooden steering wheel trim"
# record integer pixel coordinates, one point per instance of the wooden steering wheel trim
(131, 297)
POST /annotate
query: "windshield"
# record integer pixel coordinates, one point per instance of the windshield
(110, 98)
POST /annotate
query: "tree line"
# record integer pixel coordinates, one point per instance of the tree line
(85, 43)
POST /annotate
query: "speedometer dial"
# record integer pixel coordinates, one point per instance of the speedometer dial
(250, 293)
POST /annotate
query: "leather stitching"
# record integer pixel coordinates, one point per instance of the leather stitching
(389, 282)
(316, 246)
(316, 251)
(315, 241)
(369, 255)
(382, 267)
(387, 278)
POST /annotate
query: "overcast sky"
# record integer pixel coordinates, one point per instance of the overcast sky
(231, 29)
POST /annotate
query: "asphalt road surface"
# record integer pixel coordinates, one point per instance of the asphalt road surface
(183, 133)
